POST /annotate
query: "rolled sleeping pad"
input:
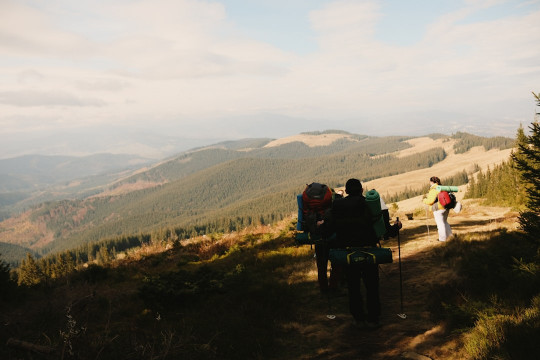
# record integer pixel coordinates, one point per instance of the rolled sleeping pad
(447, 188)
(373, 202)
(300, 212)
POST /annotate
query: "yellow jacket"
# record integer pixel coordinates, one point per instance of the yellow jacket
(431, 198)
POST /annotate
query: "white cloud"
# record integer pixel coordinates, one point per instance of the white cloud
(39, 98)
(345, 18)
(25, 31)
(185, 61)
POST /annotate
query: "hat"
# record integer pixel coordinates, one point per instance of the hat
(353, 187)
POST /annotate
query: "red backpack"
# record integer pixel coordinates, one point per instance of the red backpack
(316, 199)
(447, 199)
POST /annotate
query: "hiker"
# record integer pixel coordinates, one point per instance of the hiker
(317, 202)
(351, 220)
(327, 285)
(439, 212)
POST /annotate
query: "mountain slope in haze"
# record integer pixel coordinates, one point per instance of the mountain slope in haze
(31, 179)
(218, 189)
(34, 171)
(297, 147)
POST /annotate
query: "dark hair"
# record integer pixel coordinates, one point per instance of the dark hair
(435, 180)
(353, 187)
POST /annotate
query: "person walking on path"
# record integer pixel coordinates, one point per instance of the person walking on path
(352, 223)
(317, 201)
(439, 212)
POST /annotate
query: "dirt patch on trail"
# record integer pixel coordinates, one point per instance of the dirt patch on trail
(418, 333)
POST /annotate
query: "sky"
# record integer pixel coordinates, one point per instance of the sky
(143, 76)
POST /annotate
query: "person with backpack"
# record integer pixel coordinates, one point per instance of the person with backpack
(352, 223)
(316, 204)
(440, 212)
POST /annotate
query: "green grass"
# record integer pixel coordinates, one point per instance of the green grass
(495, 301)
(500, 336)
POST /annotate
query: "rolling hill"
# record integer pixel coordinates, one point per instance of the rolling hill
(234, 184)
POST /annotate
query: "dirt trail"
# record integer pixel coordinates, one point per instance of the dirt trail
(417, 333)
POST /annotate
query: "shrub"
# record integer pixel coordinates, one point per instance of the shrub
(506, 336)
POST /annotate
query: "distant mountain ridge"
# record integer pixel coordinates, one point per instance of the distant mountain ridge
(30, 172)
(216, 188)
(192, 161)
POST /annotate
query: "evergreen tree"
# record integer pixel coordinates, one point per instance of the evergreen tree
(521, 141)
(4, 274)
(60, 265)
(518, 156)
(6, 284)
(29, 272)
(471, 189)
(527, 159)
(501, 186)
(103, 255)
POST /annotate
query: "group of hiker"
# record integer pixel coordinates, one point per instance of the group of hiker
(346, 229)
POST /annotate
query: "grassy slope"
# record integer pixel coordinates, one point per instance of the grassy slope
(453, 164)
(251, 295)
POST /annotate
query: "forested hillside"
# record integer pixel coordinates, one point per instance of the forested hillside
(221, 198)
(200, 159)
(215, 189)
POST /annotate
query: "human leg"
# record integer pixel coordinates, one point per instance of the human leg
(441, 222)
(336, 274)
(447, 227)
(354, 283)
(371, 281)
(321, 254)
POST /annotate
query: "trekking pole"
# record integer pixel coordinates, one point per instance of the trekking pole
(427, 224)
(402, 314)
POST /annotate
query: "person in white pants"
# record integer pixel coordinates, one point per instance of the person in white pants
(439, 212)
(443, 227)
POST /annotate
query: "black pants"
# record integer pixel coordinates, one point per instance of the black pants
(322, 253)
(370, 275)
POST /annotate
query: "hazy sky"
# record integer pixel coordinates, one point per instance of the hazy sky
(267, 68)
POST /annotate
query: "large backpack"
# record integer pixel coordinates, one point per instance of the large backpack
(316, 200)
(447, 199)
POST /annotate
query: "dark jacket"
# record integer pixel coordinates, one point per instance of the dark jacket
(351, 221)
